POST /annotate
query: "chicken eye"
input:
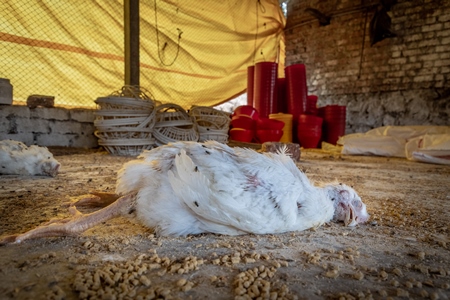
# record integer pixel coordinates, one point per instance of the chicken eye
(356, 203)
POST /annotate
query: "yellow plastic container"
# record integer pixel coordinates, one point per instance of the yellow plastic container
(287, 129)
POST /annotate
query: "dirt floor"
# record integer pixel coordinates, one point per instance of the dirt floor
(402, 252)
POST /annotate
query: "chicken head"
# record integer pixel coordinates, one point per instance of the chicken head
(348, 206)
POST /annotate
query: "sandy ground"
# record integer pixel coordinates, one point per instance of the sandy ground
(402, 252)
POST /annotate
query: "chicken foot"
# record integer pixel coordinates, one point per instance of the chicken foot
(78, 223)
(94, 199)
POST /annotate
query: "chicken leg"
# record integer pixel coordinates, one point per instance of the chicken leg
(78, 223)
(94, 199)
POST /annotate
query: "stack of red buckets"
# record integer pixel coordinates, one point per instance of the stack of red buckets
(333, 122)
(270, 94)
(265, 88)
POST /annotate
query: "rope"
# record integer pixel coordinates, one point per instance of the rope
(165, 44)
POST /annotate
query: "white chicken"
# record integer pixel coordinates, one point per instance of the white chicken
(190, 188)
(18, 159)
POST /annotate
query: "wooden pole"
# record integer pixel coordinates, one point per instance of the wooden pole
(131, 25)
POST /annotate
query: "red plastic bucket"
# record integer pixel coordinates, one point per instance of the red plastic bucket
(250, 81)
(334, 120)
(296, 89)
(309, 130)
(265, 88)
(311, 105)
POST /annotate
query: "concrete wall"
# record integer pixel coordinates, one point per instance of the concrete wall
(403, 80)
(48, 126)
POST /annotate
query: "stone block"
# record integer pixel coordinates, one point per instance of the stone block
(14, 110)
(55, 139)
(433, 27)
(26, 138)
(393, 102)
(82, 115)
(50, 113)
(413, 38)
(4, 125)
(397, 61)
(87, 128)
(389, 120)
(443, 33)
(33, 125)
(444, 18)
(34, 101)
(422, 78)
(65, 127)
(434, 56)
(84, 141)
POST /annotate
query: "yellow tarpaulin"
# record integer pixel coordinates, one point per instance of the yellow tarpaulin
(191, 52)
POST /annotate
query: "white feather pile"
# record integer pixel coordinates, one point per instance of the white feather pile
(16, 158)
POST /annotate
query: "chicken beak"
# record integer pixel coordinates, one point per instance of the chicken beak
(350, 217)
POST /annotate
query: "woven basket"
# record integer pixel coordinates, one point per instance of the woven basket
(210, 132)
(172, 115)
(124, 133)
(123, 103)
(125, 121)
(127, 147)
(165, 135)
(105, 114)
(220, 119)
(221, 137)
(136, 122)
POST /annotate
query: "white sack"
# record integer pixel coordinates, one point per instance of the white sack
(373, 145)
(422, 143)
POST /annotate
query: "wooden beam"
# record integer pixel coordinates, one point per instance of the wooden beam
(131, 26)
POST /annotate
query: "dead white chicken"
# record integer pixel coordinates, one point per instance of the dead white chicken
(190, 188)
(16, 158)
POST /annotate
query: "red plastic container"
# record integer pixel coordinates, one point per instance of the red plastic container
(247, 110)
(334, 120)
(265, 88)
(269, 124)
(241, 135)
(311, 105)
(271, 135)
(243, 121)
(305, 119)
(250, 80)
(296, 89)
(309, 130)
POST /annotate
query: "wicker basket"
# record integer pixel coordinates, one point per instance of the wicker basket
(170, 134)
(209, 131)
(127, 147)
(173, 124)
(219, 136)
(172, 115)
(125, 121)
(124, 133)
(136, 122)
(220, 119)
(123, 103)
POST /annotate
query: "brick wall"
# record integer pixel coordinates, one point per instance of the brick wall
(403, 80)
(48, 126)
